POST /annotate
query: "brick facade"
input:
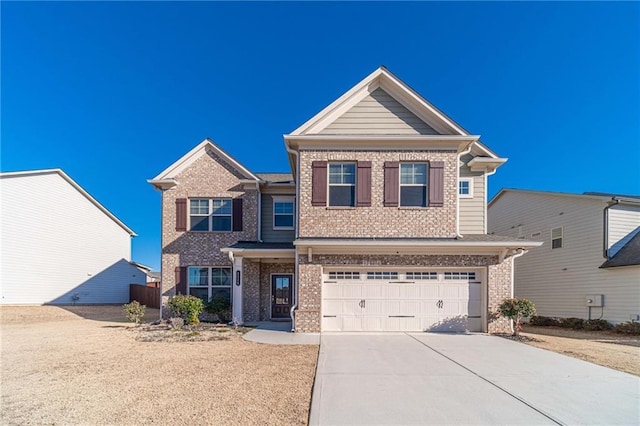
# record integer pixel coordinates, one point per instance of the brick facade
(396, 222)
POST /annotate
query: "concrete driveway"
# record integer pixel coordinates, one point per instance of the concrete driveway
(427, 379)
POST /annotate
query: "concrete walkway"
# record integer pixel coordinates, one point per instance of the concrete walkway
(279, 333)
(430, 379)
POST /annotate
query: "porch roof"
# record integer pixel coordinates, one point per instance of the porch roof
(258, 249)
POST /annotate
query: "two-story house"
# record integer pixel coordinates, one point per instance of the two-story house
(380, 227)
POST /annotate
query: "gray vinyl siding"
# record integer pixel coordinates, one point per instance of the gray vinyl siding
(624, 223)
(379, 114)
(558, 280)
(270, 235)
(472, 210)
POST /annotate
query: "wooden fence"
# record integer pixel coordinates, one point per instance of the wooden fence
(148, 296)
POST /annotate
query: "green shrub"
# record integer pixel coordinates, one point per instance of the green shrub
(629, 327)
(597, 325)
(516, 309)
(134, 311)
(574, 323)
(219, 306)
(186, 307)
(541, 321)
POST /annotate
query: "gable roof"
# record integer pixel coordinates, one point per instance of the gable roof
(167, 176)
(74, 184)
(600, 196)
(628, 255)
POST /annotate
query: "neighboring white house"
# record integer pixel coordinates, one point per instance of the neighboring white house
(59, 245)
(589, 264)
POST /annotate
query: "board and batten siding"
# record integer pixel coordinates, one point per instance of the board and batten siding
(624, 224)
(270, 235)
(57, 244)
(379, 114)
(472, 210)
(557, 281)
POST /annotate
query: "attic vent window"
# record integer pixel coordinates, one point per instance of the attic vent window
(344, 275)
(556, 238)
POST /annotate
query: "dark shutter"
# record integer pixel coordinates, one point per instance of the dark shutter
(319, 183)
(181, 280)
(391, 184)
(237, 214)
(181, 214)
(363, 181)
(436, 183)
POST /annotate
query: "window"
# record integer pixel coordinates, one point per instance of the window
(344, 275)
(283, 213)
(422, 275)
(382, 275)
(209, 283)
(556, 238)
(413, 184)
(460, 276)
(210, 214)
(465, 187)
(342, 184)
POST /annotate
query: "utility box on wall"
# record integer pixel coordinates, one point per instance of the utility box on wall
(594, 300)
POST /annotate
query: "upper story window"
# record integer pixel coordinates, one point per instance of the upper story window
(413, 184)
(210, 214)
(556, 238)
(465, 188)
(342, 184)
(283, 213)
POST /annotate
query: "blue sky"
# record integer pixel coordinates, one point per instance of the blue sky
(114, 92)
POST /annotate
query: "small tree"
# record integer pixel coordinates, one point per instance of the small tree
(134, 311)
(516, 309)
(187, 308)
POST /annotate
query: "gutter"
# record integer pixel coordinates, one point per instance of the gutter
(296, 154)
(458, 157)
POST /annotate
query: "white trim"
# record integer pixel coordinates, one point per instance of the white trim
(210, 285)
(210, 215)
(354, 184)
(283, 199)
(604, 198)
(271, 296)
(470, 181)
(425, 185)
(190, 157)
(76, 186)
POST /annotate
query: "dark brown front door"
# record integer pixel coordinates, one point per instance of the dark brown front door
(281, 296)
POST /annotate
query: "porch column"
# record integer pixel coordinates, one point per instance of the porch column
(236, 310)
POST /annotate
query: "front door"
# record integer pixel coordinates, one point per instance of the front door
(281, 296)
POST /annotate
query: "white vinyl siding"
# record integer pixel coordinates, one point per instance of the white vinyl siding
(379, 114)
(557, 281)
(472, 210)
(624, 224)
(59, 248)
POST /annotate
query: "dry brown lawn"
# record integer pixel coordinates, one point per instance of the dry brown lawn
(86, 365)
(605, 348)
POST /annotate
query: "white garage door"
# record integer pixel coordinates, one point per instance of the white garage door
(425, 300)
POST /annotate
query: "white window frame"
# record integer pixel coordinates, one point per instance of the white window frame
(469, 181)
(210, 285)
(354, 184)
(561, 237)
(425, 185)
(283, 199)
(210, 214)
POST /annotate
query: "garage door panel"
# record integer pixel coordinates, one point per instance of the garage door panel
(452, 324)
(372, 291)
(430, 291)
(351, 323)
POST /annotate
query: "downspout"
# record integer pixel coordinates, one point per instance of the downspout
(161, 246)
(259, 224)
(297, 233)
(486, 192)
(458, 157)
(605, 236)
(519, 253)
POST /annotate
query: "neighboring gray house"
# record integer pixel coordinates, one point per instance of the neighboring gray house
(380, 226)
(59, 245)
(589, 264)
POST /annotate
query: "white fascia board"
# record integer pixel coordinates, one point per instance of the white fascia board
(378, 142)
(163, 183)
(191, 156)
(77, 187)
(483, 164)
(603, 198)
(458, 243)
(260, 253)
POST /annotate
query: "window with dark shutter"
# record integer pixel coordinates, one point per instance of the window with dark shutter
(181, 280)
(413, 184)
(363, 182)
(181, 214)
(319, 183)
(342, 184)
(237, 214)
(436, 184)
(391, 185)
